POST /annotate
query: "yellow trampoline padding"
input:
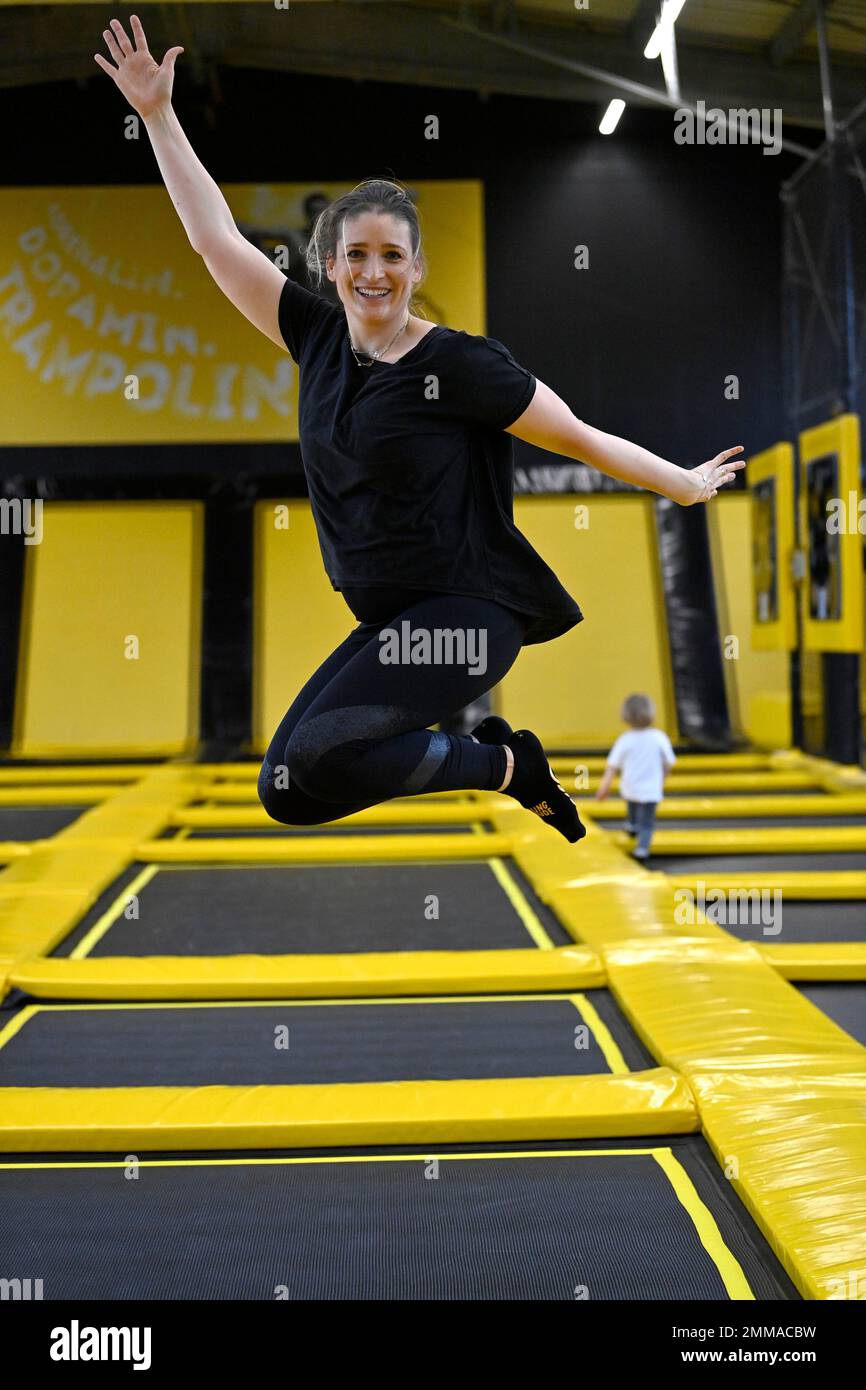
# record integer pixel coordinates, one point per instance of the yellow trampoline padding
(261, 1117)
(77, 773)
(829, 960)
(687, 762)
(320, 849)
(44, 893)
(781, 1091)
(804, 884)
(722, 807)
(813, 839)
(309, 976)
(710, 1003)
(15, 849)
(36, 919)
(794, 1145)
(705, 782)
(69, 795)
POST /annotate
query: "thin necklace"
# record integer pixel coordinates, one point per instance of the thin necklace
(380, 352)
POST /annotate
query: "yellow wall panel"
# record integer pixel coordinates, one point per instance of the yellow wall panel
(111, 632)
(572, 689)
(831, 526)
(757, 681)
(299, 618)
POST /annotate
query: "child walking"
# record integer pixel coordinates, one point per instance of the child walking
(643, 756)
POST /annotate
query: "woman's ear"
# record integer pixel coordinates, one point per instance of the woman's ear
(329, 267)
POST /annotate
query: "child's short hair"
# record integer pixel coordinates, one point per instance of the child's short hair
(639, 711)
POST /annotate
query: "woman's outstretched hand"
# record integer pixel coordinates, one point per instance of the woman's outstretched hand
(707, 478)
(145, 83)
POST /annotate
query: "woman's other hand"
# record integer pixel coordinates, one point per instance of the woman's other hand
(707, 478)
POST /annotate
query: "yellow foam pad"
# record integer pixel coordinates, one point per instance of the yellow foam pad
(260, 1117)
(309, 976)
(806, 960)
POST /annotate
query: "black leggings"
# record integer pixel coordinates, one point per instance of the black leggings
(357, 734)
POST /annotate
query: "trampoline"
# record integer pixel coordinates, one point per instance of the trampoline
(835, 919)
(299, 1043)
(307, 909)
(571, 1163)
(598, 1222)
(36, 822)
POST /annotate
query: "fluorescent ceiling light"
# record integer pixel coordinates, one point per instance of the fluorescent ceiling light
(610, 119)
(671, 11)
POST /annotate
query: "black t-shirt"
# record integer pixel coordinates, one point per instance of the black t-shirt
(409, 469)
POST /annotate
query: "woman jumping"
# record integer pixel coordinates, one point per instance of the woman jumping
(404, 430)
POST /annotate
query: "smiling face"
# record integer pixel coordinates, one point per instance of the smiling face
(374, 270)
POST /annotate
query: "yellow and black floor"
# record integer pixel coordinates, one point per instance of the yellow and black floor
(434, 1051)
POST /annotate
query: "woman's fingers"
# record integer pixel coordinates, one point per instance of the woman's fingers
(106, 66)
(722, 469)
(122, 41)
(729, 453)
(113, 46)
(138, 33)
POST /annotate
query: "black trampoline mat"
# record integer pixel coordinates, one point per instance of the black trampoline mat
(831, 919)
(36, 822)
(594, 1225)
(315, 909)
(844, 1002)
(705, 865)
(284, 1044)
(755, 822)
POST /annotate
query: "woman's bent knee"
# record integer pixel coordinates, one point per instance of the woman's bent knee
(284, 803)
(319, 768)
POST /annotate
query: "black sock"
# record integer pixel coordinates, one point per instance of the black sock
(535, 787)
(493, 730)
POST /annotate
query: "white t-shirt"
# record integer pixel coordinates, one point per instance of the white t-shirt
(640, 756)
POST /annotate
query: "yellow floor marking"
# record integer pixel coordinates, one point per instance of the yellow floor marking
(520, 904)
(97, 932)
(710, 1236)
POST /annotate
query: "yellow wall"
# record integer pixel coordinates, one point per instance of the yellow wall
(298, 618)
(110, 650)
(115, 341)
(570, 691)
(757, 682)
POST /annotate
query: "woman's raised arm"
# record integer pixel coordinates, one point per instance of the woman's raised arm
(244, 274)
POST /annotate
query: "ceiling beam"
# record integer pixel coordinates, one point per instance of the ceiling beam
(793, 31)
(412, 45)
